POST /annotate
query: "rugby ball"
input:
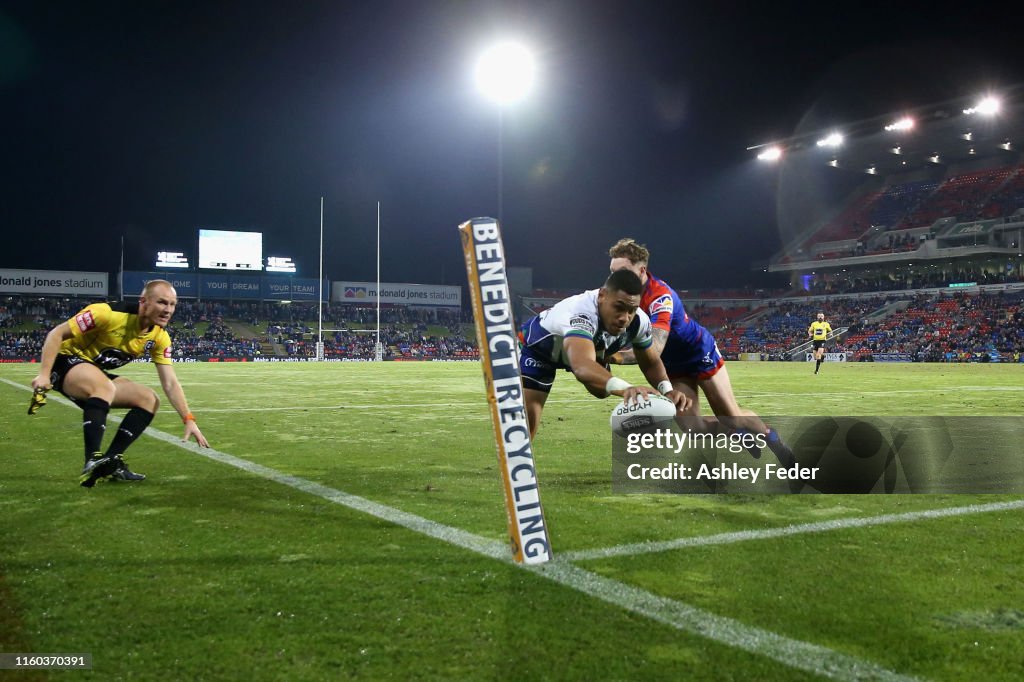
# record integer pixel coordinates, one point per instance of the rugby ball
(642, 414)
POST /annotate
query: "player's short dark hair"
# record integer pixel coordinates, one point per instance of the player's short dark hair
(625, 281)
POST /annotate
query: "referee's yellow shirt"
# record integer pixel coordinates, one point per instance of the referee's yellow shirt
(112, 338)
(819, 331)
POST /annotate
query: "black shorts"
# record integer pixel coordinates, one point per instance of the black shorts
(62, 365)
(818, 344)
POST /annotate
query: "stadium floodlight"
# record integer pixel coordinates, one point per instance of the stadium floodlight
(871, 170)
(905, 123)
(987, 106)
(773, 153)
(505, 73)
(832, 140)
(897, 150)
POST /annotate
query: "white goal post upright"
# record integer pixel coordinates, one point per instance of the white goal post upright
(499, 358)
(320, 297)
(378, 350)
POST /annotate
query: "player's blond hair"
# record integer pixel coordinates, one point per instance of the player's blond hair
(637, 254)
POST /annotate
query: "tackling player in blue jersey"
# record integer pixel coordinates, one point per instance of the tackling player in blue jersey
(578, 333)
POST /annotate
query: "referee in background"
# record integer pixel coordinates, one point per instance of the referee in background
(818, 332)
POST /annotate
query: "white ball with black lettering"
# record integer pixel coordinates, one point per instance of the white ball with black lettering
(642, 414)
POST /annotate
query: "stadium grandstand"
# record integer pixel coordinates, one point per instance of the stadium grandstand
(908, 326)
(940, 201)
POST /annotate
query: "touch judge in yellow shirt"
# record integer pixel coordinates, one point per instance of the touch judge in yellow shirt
(818, 332)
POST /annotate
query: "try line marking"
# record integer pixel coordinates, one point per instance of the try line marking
(794, 653)
(636, 548)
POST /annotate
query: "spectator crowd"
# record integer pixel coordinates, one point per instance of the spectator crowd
(207, 330)
(935, 327)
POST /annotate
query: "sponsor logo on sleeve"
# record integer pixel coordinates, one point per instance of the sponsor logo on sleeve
(583, 324)
(662, 304)
(167, 352)
(85, 321)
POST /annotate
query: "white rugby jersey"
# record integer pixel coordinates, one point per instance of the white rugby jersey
(578, 316)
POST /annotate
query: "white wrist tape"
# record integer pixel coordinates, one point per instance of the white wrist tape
(664, 387)
(616, 384)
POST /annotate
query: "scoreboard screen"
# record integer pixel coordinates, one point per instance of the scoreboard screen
(230, 250)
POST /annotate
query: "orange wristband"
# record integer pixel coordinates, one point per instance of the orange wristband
(188, 418)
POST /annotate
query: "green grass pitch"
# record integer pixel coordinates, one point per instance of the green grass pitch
(209, 571)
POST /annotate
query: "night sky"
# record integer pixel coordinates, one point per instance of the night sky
(148, 120)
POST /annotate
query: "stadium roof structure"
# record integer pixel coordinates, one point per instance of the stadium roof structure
(940, 134)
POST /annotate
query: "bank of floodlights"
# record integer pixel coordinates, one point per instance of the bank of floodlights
(987, 106)
(832, 140)
(990, 105)
(905, 123)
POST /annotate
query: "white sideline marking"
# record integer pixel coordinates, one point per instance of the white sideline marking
(651, 547)
(794, 653)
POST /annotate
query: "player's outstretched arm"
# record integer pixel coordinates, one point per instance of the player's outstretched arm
(588, 371)
(659, 337)
(175, 393)
(653, 368)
